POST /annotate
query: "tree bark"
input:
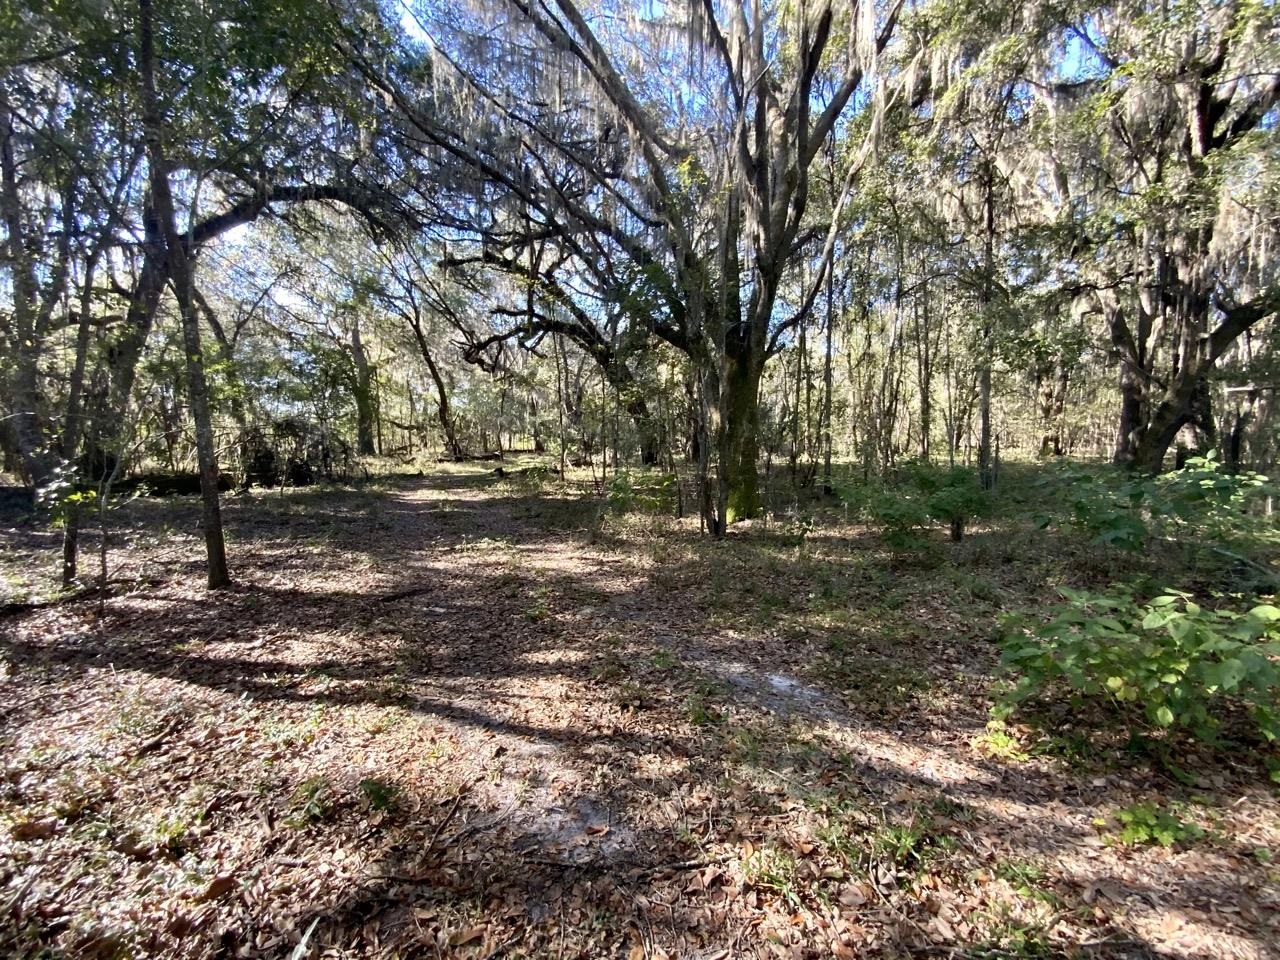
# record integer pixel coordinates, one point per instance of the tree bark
(738, 436)
(179, 269)
(363, 394)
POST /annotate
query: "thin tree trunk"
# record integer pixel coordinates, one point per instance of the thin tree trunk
(72, 428)
(826, 387)
(182, 281)
(363, 394)
(986, 472)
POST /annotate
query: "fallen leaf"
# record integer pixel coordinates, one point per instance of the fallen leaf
(217, 887)
(851, 895)
(463, 937)
(34, 829)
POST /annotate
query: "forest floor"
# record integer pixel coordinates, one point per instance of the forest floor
(457, 716)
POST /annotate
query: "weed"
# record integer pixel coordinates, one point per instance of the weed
(840, 839)
(909, 845)
(1013, 940)
(663, 659)
(630, 695)
(309, 803)
(1145, 823)
(380, 794)
(1019, 873)
(611, 667)
(998, 742)
(169, 835)
(1074, 749)
(771, 869)
(700, 712)
(1027, 879)
(746, 745)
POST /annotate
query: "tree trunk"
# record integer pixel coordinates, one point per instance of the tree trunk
(442, 404)
(363, 394)
(182, 281)
(1179, 407)
(739, 446)
(825, 414)
(73, 429)
(986, 472)
(28, 418)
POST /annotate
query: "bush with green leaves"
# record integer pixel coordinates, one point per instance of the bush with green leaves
(1197, 505)
(1170, 663)
(922, 495)
(901, 515)
(956, 499)
(1145, 823)
(645, 491)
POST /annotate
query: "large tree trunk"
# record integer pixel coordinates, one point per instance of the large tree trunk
(738, 436)
(182, 281)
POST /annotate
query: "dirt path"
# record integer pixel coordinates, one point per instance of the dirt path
(434, 719)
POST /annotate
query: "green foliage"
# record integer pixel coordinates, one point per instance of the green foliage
(663, 659)
(1145, 823)
(901, 517)
(999, 742)
(1199, 504)
(648, 492)
(380, 794)
(770, 868)
(1025, 877)
(956, 499)
(700, 712)
(909, 845)
(309, 803)
(1178, 664)
(922, 494)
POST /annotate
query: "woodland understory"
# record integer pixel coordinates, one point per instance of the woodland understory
(472, 715)
(699, 479)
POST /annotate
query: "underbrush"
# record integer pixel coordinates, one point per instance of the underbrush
(1169, 664)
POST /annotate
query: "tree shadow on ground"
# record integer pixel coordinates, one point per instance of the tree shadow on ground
(573, 683)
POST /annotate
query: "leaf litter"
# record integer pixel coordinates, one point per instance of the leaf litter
(435, 719)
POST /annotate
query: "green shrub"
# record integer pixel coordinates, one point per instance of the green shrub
(956, 500)
(923, 494)
(1177, 663)
(1198, 505)
(901, 516)
(381, 794)
(1144, 823)
(648, 492)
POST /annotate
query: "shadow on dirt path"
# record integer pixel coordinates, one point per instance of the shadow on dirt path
(433, 718)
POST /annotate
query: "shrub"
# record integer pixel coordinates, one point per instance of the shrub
(1145, 823)
(923, 494)
(648, 492)
(957, 500)
(901, 516)
(1180, 665)
(1197, 504)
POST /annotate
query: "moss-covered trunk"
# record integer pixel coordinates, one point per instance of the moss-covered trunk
(738, 436)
